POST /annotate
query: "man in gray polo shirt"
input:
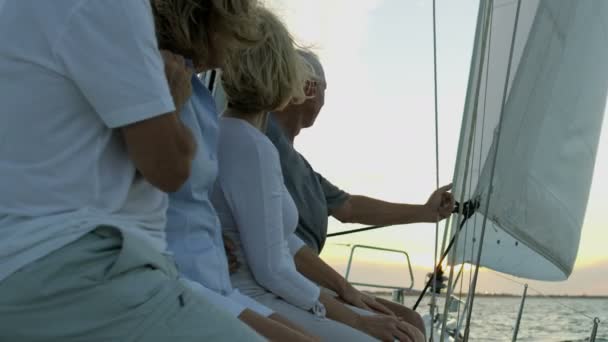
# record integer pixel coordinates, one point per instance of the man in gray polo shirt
(317, 199)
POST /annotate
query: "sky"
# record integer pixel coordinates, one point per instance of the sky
(375, 135)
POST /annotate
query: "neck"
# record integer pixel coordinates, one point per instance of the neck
(257, 120)
(289, 120)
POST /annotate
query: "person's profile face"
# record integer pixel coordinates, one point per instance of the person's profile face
(312, 107)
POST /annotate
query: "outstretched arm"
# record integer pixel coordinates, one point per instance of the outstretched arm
(367, 210)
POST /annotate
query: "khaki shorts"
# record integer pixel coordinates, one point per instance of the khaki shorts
(109, 286)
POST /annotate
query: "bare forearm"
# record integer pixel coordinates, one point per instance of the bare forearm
(284, 321)
(314, 268)
(366, 210)
(337, 311)
(188, 143)
(162, 149)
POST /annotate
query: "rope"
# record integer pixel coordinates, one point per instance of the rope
(358, 230)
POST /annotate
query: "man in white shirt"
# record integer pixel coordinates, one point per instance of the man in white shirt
(89, 144)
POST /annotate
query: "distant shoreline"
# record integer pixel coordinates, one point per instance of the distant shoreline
(496, 295)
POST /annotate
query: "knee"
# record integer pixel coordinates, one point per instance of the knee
(414, 319)
(418, 322)
(414, 332)
(406, 314)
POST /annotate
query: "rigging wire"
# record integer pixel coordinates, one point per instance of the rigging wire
(483, 16)
(466, 233)
(479, 166)
(434, 275)
(464, 247)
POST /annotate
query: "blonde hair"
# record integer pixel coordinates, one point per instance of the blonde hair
(268, 75)
(181, 24)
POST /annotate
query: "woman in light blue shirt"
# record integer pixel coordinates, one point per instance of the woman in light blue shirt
(193, 231)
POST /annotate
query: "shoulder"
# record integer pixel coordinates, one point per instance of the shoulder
(304, 161)
(137, 8)
(289, 156)
(96, 12)
(276, 136)
(90, 17)
(244, 141)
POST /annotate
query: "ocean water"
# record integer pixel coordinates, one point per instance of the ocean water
(543, 320)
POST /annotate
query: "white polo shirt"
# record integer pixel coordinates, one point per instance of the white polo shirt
(71, 73)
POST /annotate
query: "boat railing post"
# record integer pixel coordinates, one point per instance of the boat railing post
(596, 323)
(521, 312)
(350, 261)
(398, 296)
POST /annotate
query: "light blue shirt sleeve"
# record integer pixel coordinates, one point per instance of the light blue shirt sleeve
(116, 65)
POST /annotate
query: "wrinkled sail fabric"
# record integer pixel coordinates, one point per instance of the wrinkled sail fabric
(546, 149)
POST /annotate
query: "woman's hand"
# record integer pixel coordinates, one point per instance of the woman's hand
(178, 76)
(440, 205)
(354, 297)
(389, 329)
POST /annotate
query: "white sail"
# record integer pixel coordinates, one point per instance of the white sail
(546, 148)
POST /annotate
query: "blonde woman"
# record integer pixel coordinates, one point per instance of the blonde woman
(255, 209)
(83, 200)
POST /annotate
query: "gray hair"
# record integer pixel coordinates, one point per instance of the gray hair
(312, 59)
